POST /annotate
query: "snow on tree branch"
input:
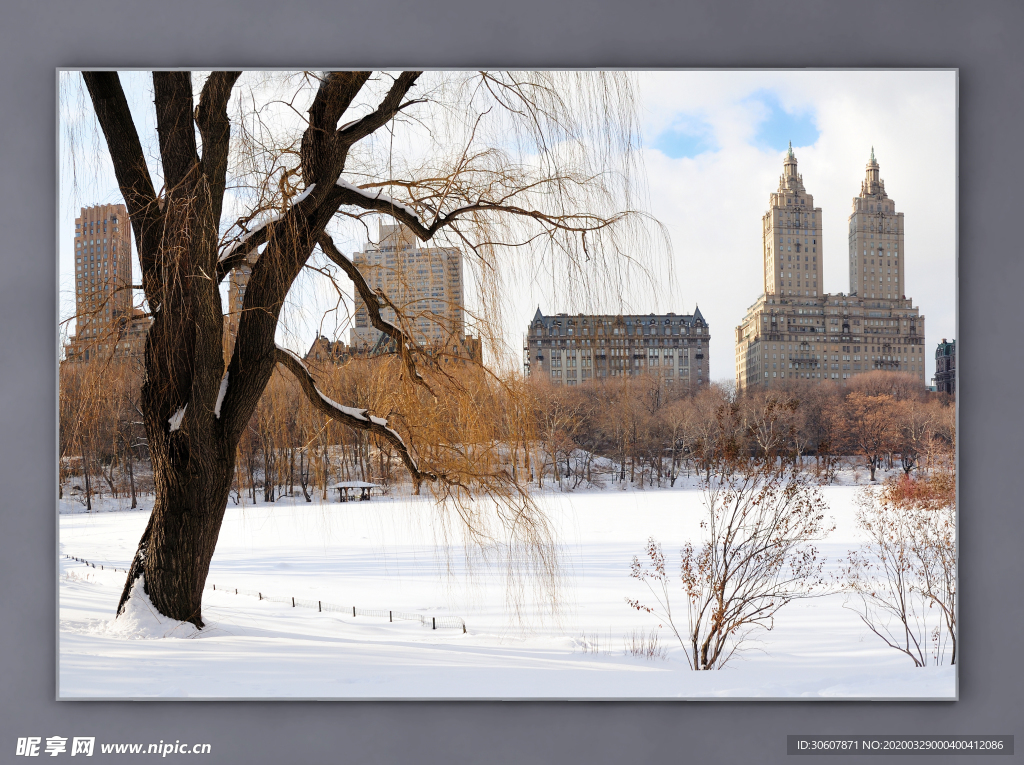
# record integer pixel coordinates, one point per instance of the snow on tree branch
(241, 247)
(220, 395)
(382, 198)
(351, 416)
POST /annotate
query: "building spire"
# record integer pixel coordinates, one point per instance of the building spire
(873, 154)
(790, 152)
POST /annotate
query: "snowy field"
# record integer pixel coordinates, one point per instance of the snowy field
(383, 555)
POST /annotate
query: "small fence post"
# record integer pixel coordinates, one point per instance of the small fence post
(389, 617)
(236, 591)
(319, 606)
(293, 601)
(260, 594)
(215, 587)
(433, 621)
(353, 610)
(463, 628)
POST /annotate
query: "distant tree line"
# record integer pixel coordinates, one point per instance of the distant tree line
(634, 430)
(649, 432)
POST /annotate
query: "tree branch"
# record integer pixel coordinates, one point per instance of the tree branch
(388, 108)
(175, 126)
(237, 253)
(360, 419)
(319, 156)
(215, 129)
(129, 162)
(373, 301)
(347, 193)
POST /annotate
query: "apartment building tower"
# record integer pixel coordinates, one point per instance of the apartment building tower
(580, 348)
(795, 330)
(425, 283)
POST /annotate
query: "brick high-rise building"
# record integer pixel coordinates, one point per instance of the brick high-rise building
(794, 330)
(425, 283)
(576, 349)
(106, 324)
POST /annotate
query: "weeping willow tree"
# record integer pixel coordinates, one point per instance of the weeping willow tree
(262, 170)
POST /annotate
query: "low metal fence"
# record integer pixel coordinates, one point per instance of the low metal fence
(434, 622)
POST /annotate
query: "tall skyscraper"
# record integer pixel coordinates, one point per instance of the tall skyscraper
(425, 283)
(104, 318)
(876, 234)
(792, 237)
(796, 331)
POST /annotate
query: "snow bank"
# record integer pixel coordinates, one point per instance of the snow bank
(141, 621)
(383, 554)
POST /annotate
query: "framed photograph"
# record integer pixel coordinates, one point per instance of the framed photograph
(507, 385)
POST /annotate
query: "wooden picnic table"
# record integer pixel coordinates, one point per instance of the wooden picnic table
(350, 491)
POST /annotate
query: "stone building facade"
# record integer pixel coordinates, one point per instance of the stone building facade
(580, 348)
(945, 367)
(796, 331)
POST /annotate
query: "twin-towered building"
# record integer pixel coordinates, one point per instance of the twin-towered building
(796, 331)
(793, 331)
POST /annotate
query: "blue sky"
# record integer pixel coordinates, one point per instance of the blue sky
(693, 134)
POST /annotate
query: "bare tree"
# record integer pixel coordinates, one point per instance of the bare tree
(715, 428)
(769, 422)
(539, 160)
(872, 426)
(902, 582)
(755, 557)
(679, 425)
(902, 386)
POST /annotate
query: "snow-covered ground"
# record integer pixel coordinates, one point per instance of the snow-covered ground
(383, 555)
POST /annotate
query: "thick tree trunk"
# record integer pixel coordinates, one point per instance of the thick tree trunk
(193, 479)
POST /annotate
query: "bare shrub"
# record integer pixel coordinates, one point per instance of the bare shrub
(645, 645)
(755, 556)
(902, 582)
